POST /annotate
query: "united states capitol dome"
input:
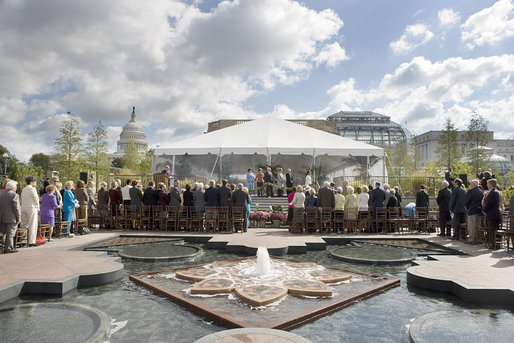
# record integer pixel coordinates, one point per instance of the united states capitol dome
(369, 127)
(132, 130)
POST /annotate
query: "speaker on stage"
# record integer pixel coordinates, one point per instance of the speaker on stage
(83, 177)
(464, 178)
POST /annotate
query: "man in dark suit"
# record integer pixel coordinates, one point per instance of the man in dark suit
(492, 211)
(225, 194)
(457, 207)
(151, 196)
(240, 199)
(443, 200)
(326, 198)
(474, 208)
(377, 198)
(289, 181)
(212, 195)
(10, 215)
(422, 198)
(268, 178)
(449, 178)
(175, 194)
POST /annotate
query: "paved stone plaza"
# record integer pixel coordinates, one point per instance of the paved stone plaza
(477, 275)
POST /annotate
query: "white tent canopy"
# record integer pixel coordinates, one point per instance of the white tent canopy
(270, 136)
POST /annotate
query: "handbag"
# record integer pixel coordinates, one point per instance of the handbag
(40, 240)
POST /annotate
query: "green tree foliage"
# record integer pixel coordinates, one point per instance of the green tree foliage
(42, 161)
(131, 159)
(401, 160)
(117, 163)
(96, 152)
(68, 158)
(447, 149)
(477, 138)
(145, 167)
(12, 163)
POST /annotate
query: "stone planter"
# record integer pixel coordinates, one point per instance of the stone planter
(261, 223)
(276, 223)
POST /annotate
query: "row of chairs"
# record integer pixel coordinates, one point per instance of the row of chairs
(168, 218)
(387, 220)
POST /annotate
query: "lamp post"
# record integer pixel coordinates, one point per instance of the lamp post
(6, 156)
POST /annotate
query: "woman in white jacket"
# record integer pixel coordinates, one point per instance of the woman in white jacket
(29, 209)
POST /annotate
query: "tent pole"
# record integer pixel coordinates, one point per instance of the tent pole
(367, 170)
(221, 168)
(384, 166)
(173, 167)
(214, 166)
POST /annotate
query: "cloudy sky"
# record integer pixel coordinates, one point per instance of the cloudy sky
(185, 63)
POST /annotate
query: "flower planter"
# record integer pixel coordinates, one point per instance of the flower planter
(261, 223)
(276, 223)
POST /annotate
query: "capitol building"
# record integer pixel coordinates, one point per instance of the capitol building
(131, 131)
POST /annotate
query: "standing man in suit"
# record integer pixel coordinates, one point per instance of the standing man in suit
(449, 178)
(443, 200)
(474, 208)
(289, 181)
(457, 207)
(268, 178)
(151, 196)
(422, 198)
(225, 194)
(240, 199)
(492, 211)
(10, 215)
(175, 194)
(212, 195)
(377, 198)
(326, 197)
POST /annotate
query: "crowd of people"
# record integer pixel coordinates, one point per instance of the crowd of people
(456, 204)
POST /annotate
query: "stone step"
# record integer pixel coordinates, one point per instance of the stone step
(265, 203)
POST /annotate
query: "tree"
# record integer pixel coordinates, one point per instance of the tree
(117, 163)
(477, 137)
(145, 167)
(96, 152)
(131, 159)
(12, 164)
(41, 160)
(68, 158)
(448, 149)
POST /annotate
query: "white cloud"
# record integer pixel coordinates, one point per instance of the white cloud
(413, 37)
(331, 55)
(179, 66)
(421, 93)
(448, 17)
(490, 25)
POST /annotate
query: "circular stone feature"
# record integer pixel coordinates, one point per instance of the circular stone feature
(372, 254)
(477, 326)
(330, 275)
(157, 252)
(194, 274)
(308, 287)
(252, 335)
(259, 295)
(53, 322)
(213, 286)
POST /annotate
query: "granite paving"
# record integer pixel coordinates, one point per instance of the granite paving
(62, 265)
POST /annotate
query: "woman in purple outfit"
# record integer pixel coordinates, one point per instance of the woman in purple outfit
(48, 206)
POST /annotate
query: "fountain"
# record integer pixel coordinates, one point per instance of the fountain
(263, 266)
(234, 293)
